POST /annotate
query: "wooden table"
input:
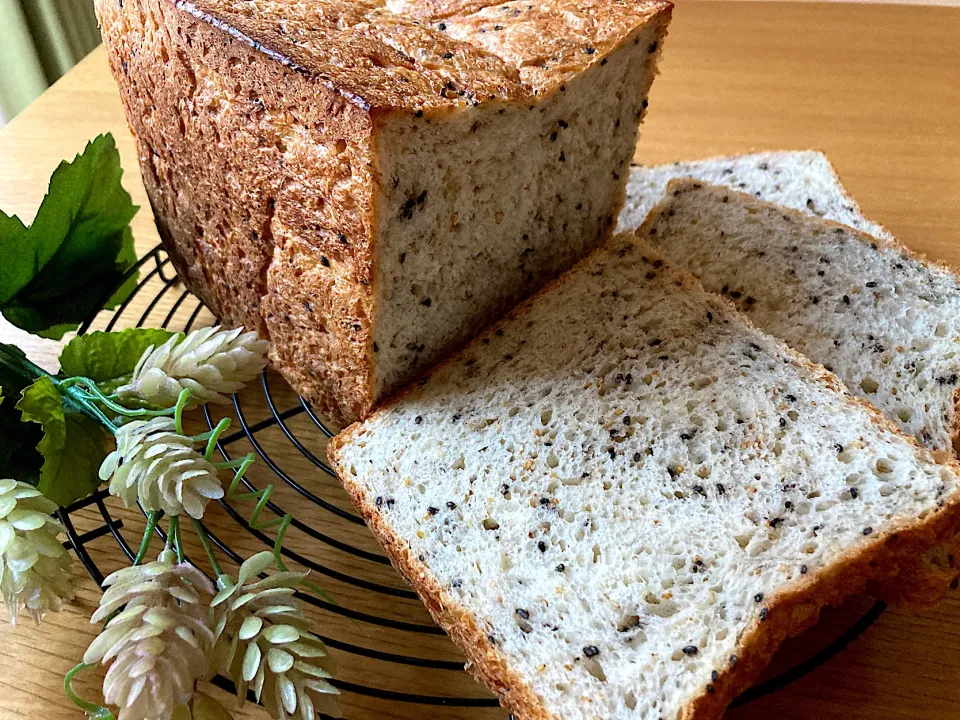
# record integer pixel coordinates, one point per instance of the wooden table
(876, 87)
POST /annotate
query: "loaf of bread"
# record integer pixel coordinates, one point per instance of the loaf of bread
(619, 500)
(368, 183)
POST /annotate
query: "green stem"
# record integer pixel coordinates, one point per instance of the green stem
(152, 519)
(87, 390)
(207, 546)
(281, 523)
(13, 359)
(173, 536)
(213, 438)
(93, 711)
(182, 400)
(87, 407)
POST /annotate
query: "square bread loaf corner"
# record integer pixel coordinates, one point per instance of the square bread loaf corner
(369, 183)
(621, 499)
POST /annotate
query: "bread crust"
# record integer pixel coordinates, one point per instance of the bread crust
(229, 108)
(883, 561)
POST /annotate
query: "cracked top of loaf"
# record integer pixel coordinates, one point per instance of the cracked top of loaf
(431, 54)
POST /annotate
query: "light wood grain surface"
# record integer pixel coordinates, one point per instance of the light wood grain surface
(876, 87)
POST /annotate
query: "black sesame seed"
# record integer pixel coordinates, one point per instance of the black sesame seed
(432, 510)
(721, 489)
(442, 26)
(542, 546)
(591, 651)
(452, 505)
(636, 457)
(522, 614)
(653, 47)
(758, 598)
(803, 569)
(733, 660)
(589, 50)
(775, 522)
(763, 615)
(626, 419)
(492, 639)
(710, 690)
(709, 316)
(447, 55)
(553, 136)
(736, 294)
(427, 302)
(324, 261)
(868, 531)
(457, 583)
(690, 650)
(379, 501)
(417, 420)
(854, 493)
(714, 675)
(561, 567)
(871, 284)
(783, 422)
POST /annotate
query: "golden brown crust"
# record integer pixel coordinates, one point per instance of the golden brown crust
(237, 222)
(403, 56)
(549, 41)
(888, 554)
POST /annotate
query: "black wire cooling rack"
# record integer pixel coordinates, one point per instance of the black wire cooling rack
(376, 619)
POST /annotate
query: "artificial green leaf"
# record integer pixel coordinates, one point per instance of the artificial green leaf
(69, 262)
(105, 356)
(19, 458)
(73, 445)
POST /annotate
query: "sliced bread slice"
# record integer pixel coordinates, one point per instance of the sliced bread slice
(622, 498)
(800, 179)
(806, 181)
(886, 321)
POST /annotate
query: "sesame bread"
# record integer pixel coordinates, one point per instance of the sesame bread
(366, 183)
(884, 320)
(800, 179)
(807, 182)
(620, 500)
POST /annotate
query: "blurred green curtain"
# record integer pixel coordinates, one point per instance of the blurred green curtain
(39, 41)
